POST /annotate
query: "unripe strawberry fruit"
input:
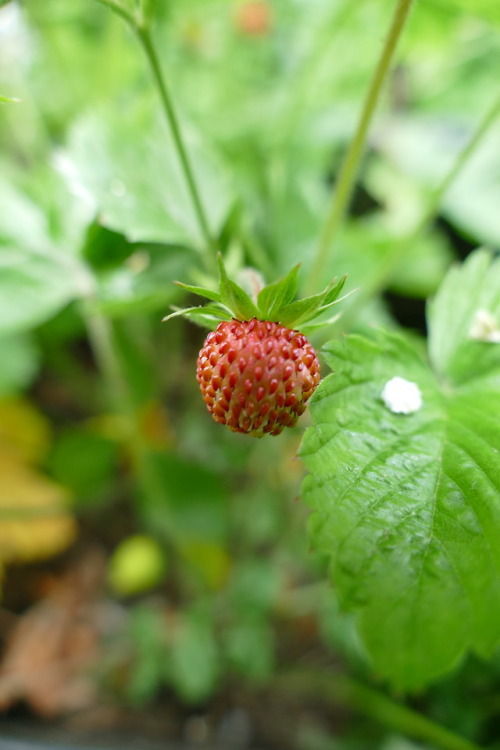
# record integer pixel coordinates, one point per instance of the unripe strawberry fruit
(256, 376)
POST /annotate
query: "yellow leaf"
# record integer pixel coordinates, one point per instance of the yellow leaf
(34, 522)
(24, 432)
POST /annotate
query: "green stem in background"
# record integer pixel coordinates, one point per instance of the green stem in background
(350, 166)
(154, 63)
(140, 25)
(348, 692)
(118, 8)
(463, 157)
(387, 265)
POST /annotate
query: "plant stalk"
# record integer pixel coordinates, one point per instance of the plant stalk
(401, 244)
(343, 690)
(139, 23)
(462, 158)
(351, 164)
(118, 8)
(147, 44)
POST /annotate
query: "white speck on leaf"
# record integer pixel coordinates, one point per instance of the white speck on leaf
(485, 327)
(118, 188)
(402, 396)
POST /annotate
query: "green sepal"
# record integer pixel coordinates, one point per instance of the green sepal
(273, 298)
(207, 317)
(309, 328)
(202, 312)
(200, 290)
(235, 298)
(304, 310)
(274, 302)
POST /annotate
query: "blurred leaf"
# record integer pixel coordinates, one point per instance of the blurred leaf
(19, 365)
(39, 270)
(86, 463)
(467, 290)
(144, 281)
(197, 497)
(33, 287)
(128, 164)
(484, 8)
(105, 249)
(423, 266)
(25, 434)
(424, 148)
(211, 562)
(147, 628)
(255, 586)
(194, 662)
(249, 648)
(34, 522)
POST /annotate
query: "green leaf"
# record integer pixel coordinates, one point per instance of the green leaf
(7, 100)
(468, 292)
(20, 366)
(136, 182)
(275, 296)
(194, 664)
(407, 506)
(485, 8)
(33, 287)
(143, 281)
(250, 648)
(235, 298)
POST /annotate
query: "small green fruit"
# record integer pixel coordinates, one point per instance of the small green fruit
(136, 565)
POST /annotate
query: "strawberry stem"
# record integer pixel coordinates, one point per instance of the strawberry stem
(146, 41)
(139, 23)
(350, 167)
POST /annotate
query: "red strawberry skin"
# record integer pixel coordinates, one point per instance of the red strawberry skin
(256, 376)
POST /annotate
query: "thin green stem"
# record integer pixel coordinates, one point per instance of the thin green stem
(140, 24)
(376, 705)
(168, 107)
(463, 157)
(400, 248)
(118, 8)
(350, 167)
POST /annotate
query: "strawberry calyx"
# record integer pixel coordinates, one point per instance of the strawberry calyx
(275, 302)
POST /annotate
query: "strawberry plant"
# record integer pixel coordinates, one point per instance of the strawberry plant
(249, 153)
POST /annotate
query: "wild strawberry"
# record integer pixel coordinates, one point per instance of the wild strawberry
(254, 18)
(256, 376)
(257, 370)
